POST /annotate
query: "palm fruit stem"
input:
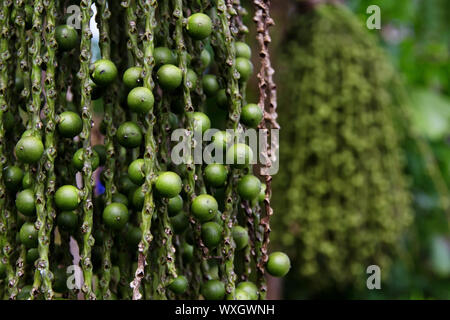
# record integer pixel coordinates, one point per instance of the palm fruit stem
(36, 126)
(267, 89)
(19, 272)
(116, 53)
(149, 8)
(132, 32)
(190, 166)
(225, 49)
(85, 136)
(135, 54)
(160, 273)
(48, 159)
(168, 258)
(103, 17)
(239, 30)
(118, 46)
(23, 60)
(5, 214)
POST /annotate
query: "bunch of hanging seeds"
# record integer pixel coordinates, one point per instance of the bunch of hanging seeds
(120, 219)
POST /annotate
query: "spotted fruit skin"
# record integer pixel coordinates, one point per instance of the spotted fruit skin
(116, 215)
(199, 26)
(204, 207)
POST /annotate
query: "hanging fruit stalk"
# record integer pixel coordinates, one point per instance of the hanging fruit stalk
(144, 199)
(267, 90)
(167, 257)
(232, 88)
(4, 80)
(86, 112)
(50, 153)
(150, 147)
(103, 16)
(189, 120)
(23, 58)
(36, 155)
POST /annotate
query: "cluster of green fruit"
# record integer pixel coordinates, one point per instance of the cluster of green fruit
(182, 223)
(348, 201)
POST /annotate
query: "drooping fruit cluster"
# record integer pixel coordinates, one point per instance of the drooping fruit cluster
(140, 224)
(348, 201)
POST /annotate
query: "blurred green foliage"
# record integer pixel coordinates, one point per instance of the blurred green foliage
(341, 192)
(416, 35)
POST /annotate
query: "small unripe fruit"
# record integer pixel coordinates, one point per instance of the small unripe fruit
(216, 174)
(262, 193)
(180, 222)
(168, 184)
(250, 288)
(29, 149)
(25, 202)
(240, 237)
(205, 58)
(27, 181)
(12, 177)
(104, 73)
(120, 198)
(187, 252)
(32, 255)
(213, 290)
(244, 67)
(129, 135)
(169, 76)
(115, 216)
(179, 285)
(220, 140)
(199, 26)
(222, 99)
(249, 187)
(210, 84)
(204, 207)
(211, 234)
(67, 220)
(278, 264)
(192, 79)
(251, 115)
(78, 159)
(136, 172)
(201, 122)
(8, 121)
(67, 198)
(140, 100)
(138, 198)
(67, 37)
(28, 235)
(125, 184)
(239, 155)
(243, 50)
(132, 77)
(163, 55)
(239, 294)
(175, 205)
(69, 124)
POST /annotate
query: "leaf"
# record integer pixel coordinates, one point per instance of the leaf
(440, 256)
(430, 113)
